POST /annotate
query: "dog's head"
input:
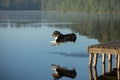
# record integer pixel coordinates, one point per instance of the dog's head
(56, 33)
(56, 76)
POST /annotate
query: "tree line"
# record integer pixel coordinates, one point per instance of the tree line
(20, 4)
(99, 6)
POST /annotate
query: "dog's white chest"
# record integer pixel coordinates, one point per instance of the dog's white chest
(54, 42)
(56, 38)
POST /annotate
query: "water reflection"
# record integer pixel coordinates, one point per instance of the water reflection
(113, 75)
(104, 27)
(99, 26)
(63, 72)
(19, 25)
(92, 73)
(24, 48)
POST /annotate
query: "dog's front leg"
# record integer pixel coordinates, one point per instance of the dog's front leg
(53, 43)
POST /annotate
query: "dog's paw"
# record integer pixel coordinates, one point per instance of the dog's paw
(53, 43)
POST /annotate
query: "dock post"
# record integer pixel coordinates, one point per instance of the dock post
(90, 59)
(103, 64)
(109, 62)
(118, 63)
(95, 59)
(118, 67)
(106, 48)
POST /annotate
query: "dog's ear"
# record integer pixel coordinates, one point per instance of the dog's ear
(57, 32)
(54, 65)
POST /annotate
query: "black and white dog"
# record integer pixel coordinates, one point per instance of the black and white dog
(61, 71)
(61, 38)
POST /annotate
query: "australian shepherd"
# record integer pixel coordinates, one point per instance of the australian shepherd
(61, 38)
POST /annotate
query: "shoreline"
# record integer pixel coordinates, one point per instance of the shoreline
(70, 12)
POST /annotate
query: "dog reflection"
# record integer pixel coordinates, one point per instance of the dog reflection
(61, 71)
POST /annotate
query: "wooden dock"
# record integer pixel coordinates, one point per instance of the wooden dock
(109, 49)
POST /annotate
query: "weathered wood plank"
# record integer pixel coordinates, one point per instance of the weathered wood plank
(103, 50)
(108, 48)
(109, 45)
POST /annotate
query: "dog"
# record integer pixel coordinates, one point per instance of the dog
(61, 38)
(61, 71)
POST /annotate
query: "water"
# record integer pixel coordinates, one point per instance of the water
(25, 50)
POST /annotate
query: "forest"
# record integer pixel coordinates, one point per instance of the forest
(20, 4)
(96, 6)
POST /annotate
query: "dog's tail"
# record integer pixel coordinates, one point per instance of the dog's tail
(74, 73)
(74, 37)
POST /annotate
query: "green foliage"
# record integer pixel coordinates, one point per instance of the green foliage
(97, 6)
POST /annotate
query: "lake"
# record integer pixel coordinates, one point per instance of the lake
(25, 50)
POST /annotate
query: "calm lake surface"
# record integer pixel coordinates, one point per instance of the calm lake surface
(25, 50)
